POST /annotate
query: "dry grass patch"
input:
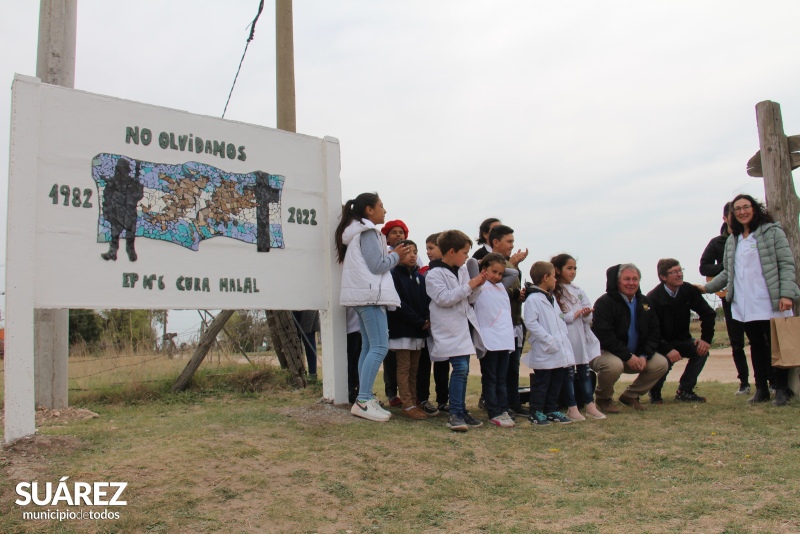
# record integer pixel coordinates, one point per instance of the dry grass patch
(229, 460)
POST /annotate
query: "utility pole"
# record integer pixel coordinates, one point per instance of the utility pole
(283, 334)
(55, 65)
(284, 54)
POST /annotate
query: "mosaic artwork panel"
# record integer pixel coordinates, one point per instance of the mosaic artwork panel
(187, 203)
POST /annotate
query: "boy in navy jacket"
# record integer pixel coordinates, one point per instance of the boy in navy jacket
(408, 327)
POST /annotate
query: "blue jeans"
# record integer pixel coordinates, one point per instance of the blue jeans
(583, 383)
(568, 387)
(458, 385)
(494, 366)
(374, 346)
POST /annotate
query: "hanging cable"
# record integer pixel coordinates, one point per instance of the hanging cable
(252, 34)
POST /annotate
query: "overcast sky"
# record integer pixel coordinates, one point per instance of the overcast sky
(612, 130)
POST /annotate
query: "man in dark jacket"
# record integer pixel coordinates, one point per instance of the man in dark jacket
(627, 328)
(673, 301)
(711, 266)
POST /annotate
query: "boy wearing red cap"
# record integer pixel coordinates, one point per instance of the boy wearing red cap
(395, 231)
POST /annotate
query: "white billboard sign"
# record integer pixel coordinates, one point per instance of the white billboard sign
(119, 204)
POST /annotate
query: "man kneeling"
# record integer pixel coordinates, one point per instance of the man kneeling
(674, 302)
(627, 328)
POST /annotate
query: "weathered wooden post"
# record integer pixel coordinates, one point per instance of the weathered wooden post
(777, 156)
(202, 349)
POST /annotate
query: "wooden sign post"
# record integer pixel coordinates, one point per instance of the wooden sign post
(776, 159)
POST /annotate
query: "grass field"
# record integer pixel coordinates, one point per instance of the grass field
(241, 452)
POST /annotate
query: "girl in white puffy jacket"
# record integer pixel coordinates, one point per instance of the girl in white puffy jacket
(368, 288)
(577, 311)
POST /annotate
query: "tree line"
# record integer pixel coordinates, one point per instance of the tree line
(141, 330)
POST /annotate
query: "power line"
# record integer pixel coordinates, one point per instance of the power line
(252, 34)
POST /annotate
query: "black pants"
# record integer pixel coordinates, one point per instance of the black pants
(441, 377)
(390, 375)
(512, 378)
(545, 388)
(353, 353)
(493, 381)
(736, 336)
(761, 355)
(307, 338)
(688, 380)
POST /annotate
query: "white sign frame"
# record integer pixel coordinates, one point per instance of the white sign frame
(53, 257)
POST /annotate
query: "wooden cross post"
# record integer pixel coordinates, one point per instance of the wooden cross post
(774, 161)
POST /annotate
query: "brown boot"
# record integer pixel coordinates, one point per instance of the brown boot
(414, 413)
(606, 405)
(633, 402)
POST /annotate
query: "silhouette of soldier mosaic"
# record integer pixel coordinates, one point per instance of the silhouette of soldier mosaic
(120, 198)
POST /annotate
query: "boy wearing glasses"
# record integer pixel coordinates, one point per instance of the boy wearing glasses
(673, 301)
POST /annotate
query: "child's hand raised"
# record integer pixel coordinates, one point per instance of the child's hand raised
(478, 280)
(583, 312)
(518, 257)
(402, 250)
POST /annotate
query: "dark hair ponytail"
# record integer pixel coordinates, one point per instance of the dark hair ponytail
(351, 210)
(561, 297)
(484, 228)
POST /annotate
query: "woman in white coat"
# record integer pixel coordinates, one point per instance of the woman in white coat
(759, 274)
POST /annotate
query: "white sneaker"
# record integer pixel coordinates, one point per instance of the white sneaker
(379, 407)
(508, 418)
(369, 410)
(501, 421)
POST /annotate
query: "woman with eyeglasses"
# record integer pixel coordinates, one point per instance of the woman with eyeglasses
(759, 274)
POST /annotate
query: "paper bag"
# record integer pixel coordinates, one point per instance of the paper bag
(785, 333)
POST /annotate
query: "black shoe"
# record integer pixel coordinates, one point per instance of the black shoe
(443, 407)
(471, 421)
(761, 395)
(429, 408)
(518, 410)
(656, 399)
(688, 396)
(782, 396)
(481, 403)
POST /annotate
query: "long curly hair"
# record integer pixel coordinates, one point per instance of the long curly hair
(760, 215)
(561, 296)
